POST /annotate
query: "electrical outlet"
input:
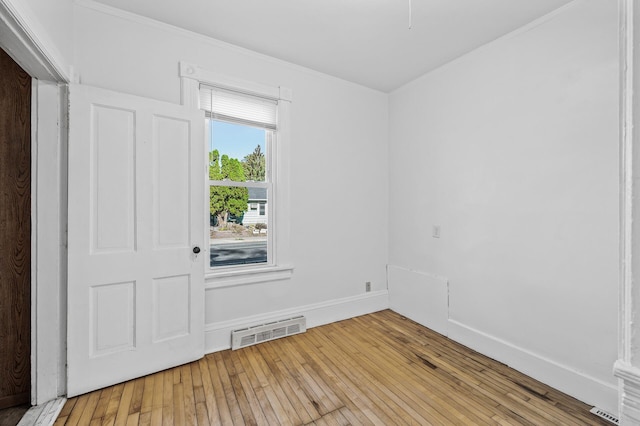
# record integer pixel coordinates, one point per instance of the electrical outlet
(436, 231)
(367, 286)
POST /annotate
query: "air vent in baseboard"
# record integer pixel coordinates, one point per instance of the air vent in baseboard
(603, 414)
(269, 331)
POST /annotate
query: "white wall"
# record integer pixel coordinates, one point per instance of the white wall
(56, 18)
(513, 150)
(50, 26)
(338, 156)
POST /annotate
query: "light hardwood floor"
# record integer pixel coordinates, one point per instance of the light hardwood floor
(379, 369)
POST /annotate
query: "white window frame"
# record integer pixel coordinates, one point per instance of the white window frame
(269, 184)
(280, 266)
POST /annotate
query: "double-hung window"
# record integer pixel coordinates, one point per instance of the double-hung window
(247, 156)
(242, 131)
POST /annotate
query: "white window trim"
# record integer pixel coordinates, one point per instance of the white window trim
(280, 267)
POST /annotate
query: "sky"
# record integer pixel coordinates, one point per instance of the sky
(235, 140)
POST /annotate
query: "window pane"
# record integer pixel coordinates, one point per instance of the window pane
(237, 152)
(238, 233)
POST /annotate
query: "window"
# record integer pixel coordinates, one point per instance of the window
(251, 106)
(242, 131)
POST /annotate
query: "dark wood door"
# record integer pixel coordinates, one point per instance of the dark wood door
(15, 233)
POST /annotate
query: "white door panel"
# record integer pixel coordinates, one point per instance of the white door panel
(136, 210)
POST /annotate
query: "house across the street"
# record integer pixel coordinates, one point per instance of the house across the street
(256, 207)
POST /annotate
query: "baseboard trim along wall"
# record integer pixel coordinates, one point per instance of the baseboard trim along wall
(218, 334)
(423, 297)
(579, 385)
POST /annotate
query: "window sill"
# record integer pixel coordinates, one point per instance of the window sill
(253, 275)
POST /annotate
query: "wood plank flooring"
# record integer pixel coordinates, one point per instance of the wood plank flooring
(378, 369)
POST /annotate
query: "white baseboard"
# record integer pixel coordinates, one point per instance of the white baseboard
(218, 335)
(630, 392)
(588, 389)
(423, 297)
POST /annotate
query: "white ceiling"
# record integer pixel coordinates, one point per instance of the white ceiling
(363, 41)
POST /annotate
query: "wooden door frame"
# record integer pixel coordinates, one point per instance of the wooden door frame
(27, 44)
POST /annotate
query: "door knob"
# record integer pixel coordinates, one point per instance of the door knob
(196, 249)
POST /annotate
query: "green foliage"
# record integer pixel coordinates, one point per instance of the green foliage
(225, 200)
(254, 165)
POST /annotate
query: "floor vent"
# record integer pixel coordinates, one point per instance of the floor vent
(603, 414)
(269, 331)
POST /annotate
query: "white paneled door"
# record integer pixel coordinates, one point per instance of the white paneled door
(136, 219)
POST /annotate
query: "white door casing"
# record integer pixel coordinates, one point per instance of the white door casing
(136, 211)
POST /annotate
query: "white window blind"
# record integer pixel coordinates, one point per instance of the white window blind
(237, 107)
